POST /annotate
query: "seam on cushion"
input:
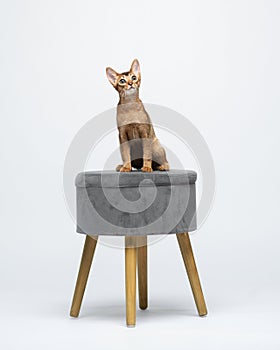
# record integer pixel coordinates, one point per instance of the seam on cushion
(156, 185)
(138, 233)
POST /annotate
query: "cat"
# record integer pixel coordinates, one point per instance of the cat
(139, 146)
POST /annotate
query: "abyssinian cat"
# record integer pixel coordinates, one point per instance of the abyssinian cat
(139, 145)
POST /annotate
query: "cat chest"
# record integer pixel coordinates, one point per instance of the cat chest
(136, 131)
(131, 117)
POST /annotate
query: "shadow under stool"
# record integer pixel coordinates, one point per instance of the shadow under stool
(135, 205)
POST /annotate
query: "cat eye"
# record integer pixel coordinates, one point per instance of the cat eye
(122, 81)
(133, 77)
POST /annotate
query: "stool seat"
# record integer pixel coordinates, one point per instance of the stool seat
(136, 203)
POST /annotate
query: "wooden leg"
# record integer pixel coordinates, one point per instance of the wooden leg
(142, 272)
(187, 254)
(130, 280)
(88, 252)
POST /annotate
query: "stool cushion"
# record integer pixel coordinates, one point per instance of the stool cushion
(136, 203)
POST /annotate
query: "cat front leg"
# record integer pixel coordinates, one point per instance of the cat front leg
(147, 155)
(125, 152)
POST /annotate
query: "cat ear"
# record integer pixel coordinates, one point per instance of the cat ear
(111, 75)
(135, 67)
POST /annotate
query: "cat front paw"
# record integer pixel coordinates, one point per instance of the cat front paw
(124, 169)
(146, 169)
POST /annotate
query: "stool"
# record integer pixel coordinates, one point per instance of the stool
(135, 205)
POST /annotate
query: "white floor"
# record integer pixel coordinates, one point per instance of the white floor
(43, 323)
(35, 307)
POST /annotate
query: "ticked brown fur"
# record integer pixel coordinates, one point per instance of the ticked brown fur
(139, 145)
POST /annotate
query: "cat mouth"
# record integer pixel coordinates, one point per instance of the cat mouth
(130, 90)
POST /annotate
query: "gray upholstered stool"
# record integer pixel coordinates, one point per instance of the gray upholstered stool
(136, 205)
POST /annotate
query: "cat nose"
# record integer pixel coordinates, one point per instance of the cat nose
(130, 83)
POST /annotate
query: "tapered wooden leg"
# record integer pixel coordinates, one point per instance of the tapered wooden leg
(88, 252)
(187, 254)
(130, 280)
(142, 272)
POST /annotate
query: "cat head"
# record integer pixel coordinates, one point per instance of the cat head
(126, 83)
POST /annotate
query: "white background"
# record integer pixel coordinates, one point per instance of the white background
(217, 62)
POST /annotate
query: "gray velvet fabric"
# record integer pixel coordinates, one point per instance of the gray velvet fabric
(136, 203)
